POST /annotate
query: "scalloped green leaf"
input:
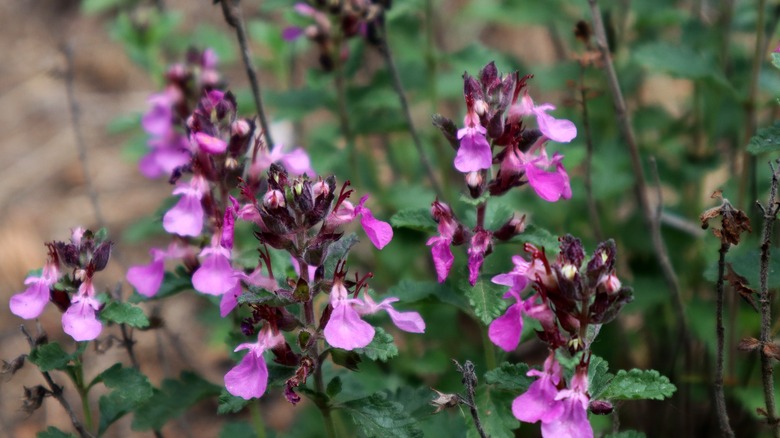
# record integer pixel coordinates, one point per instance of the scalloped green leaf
(229, 403)
(53, 432)
(376, 416)
(599, 377)
(124, 313)
(485, 299)
(766, 140)
(382, 347)
(415, 218)
(50, 356)
(639, 385)
(510, 377)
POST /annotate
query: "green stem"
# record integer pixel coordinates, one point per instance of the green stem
(490, 351)
(78, 381)
(257, 420)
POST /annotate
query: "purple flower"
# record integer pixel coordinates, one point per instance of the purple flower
(209, 144)
(215, 276)
(30, 303)
(379, 233)
(146, 279)
(440, 245)
(249, 378)
(345, 329)
(80, 320)
(230, 298)
(410, 322)
(474, 152)
(480, 244)
(572, 422)
(539, 403)
(186, 217)
(550, 186)
(296, 162)
(158, 121)
(559, 130)
(166, 154)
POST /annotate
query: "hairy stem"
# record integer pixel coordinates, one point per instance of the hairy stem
(232, 12)
(57, 393)
(470, 382)
(75, 120)
(770, 215)
(627, 132)
(720, 398)
(399, 90)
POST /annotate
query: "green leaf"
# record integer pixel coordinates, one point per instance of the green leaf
(337, 251)
(334, 387)
(639, 385)
(131, 388)
(677, 60)
(510, 377)
(376, 416)
(348, 359)
(53, 432)
(172, 399)
(495, 413)
(539, 237)
(485, 299)
(124, 313)
(256, 295)
(381, 347)
(229, 403)
(50, 357)
(766, 140)
(415, 218)
(466, 199)
(411, 291)
(599, 377)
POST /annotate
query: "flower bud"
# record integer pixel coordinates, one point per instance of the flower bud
(601, 407)
(480, 107)
(273, 199)
(476, 183)
(240, 127)
(511, 228)
(569, 271)
(612, 283)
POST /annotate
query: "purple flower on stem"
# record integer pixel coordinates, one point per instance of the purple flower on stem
(410, 322)
(474, 152)
(572, 422)
(559, 130)
(440, 245)
(249, 378)
(550, 186)
(215, 276)
(380, 233)
(146, 279)
(158, 121)
(186, 217)
(345, 329)
(30, 303)
(539, 403)
(481, 244)
(80, 320)
(166, 154)
(209, 144)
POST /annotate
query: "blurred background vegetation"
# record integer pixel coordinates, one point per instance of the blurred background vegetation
(698, 84)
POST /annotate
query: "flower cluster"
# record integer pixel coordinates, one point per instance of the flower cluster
(496, 106)
(565, 300)
(73, 292)
(185, 84)
(334, 22)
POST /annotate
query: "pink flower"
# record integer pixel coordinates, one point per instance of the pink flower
(186, 217)
(296, 162)
(550, 186)
(573, 420)
(379, 233)
(209, 144)
(80, 320)
(440, 245)
(166, 154)
(345, 329)
(146, 279)
(480, 243)
(474, 152)
(539, 403)
(230, 298)
(158, 121)
(215, 276)
(30, 303)
(249, 378)
(410, 322)
(559, 130)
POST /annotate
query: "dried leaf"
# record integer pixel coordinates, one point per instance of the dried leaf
(748, 344)
(444, 401)
(773, 351)
(733, 222)
(740, 284)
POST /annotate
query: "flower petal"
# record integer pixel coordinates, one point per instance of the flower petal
(474, 153)
(410, 322)
(146, 279)
(380, 233)
(346, 330)
(215, 276)
(249, 378)
(80, 320)
(186, 217)
(505, 330)
(30, 303)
